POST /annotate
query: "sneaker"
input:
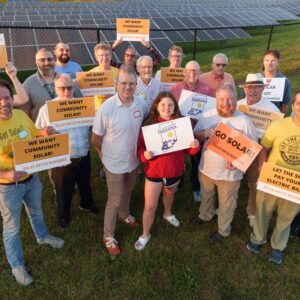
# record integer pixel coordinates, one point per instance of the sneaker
(197, 196)
(92, 210)
(217, 237)
(112, 246)
(141, 243)
(53, 241)
(196, 220)
(217, 211)
(130, 221)
(255, 248)
(276, 256)
(21, 275)
(172, 220)
(251, 220)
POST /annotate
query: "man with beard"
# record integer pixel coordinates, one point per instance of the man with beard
(215, 173)
(40, 86)
(63, 63)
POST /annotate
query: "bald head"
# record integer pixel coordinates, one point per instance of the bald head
(191, 72)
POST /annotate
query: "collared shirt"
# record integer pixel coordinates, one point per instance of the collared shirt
(147, 92)
(39, 92)
(119, 126)
(214, 81)
(199, 87)
(78, 136)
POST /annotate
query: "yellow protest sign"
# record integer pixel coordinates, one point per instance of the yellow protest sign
(41, 153)
(77, 112)
(233, 146)
(3, 53)
(261, 118)
(280, 182)
(133, 29)
(171, 75)
(95, 83)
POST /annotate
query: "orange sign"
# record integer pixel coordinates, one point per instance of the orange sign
(71, 113)
(233, 146)
(133, 29)
(3, 53)
(261, 118)
(171, 75)
(41, 153)
(95, 83)
(280, 182)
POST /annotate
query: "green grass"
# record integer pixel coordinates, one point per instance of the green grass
(178, 263)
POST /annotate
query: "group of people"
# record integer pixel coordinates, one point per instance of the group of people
(142, 100)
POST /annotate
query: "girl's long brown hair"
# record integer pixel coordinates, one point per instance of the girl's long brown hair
(154, 115)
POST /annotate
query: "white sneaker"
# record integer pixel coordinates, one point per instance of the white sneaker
(21, 275)
(53, 241)
(172, 220)
(197, 196)
(217, 211)
(251, 220)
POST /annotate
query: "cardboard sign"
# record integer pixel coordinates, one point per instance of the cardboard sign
(233, 146)
(133, 29)
(168, 136)
(261, 118)
(77, 112)
(41, 153)
(3, 53)
(280, 182)
(169, 77)
(194, 104)
(95, 83)
(274, 90)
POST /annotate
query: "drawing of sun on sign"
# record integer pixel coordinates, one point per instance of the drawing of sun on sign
(168, 135)
(198, 104)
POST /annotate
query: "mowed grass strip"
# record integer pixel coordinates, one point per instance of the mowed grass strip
(178, 263)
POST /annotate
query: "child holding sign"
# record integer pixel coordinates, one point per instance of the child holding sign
(162, 172)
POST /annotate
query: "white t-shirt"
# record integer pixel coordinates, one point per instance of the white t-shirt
(119, 126)
(213, 165)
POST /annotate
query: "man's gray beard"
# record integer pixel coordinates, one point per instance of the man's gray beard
(220, 113)
(46, 73)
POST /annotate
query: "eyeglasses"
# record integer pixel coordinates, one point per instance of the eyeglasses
(221, 65)
(130, 55)
(176, 56)
(64, 88)
(124, 83)
(146, 67)
(43, 60)
(190, 71)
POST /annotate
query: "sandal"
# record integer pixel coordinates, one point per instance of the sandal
(172, 220)
(141, 243)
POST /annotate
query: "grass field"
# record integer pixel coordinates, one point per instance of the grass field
(178, 263)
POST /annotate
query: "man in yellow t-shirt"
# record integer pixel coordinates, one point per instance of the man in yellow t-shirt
(18, 187)
(281, 144)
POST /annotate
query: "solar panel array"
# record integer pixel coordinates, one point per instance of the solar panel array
(221, 19)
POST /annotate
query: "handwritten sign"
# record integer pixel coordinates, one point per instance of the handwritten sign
(133, 29)
(194, 104)
(168, 136)
(261, 118)
(3, 53)
(42, 153)
(233, 146)
(95, 83)
(280, 182)
(274, 90)
(169, 77)
(64, 114)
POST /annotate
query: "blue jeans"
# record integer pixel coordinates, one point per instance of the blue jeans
(11, 199)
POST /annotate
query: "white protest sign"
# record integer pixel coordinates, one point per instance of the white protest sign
(194, 104)
(168, 136)
(274, 90)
